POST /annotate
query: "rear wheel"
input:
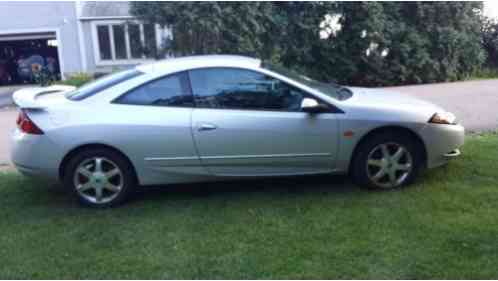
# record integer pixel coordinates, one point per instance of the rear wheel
(99, 177)
(387, 161)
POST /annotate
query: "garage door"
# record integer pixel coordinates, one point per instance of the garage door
(27, 36)
(24, 57)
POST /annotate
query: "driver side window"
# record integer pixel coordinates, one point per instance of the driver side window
(233, 88)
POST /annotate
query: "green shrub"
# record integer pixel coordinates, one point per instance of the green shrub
(44, 77)
(77, 79)
(484, 73)
(364, 43)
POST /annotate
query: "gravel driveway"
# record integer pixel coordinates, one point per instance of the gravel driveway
(7, 124)
(474, 103)
(6, 94)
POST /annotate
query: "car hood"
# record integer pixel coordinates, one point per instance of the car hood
(387, 99)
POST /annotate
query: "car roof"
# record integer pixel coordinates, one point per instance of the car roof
(183, 63)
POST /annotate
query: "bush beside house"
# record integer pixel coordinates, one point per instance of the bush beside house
(356, 43)
(78, 79)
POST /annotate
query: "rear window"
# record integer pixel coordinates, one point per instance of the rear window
(101, 84)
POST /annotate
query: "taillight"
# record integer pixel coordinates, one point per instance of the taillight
(26, 125)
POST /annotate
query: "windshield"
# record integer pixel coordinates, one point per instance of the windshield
(330, 89)
(93, 87)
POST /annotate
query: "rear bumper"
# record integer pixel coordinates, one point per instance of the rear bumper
(442, 143)
(34, 155)
(28, 171)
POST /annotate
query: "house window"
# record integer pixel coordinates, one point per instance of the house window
(104, 42)
(135, 42)
(125, 42)
(119, 41)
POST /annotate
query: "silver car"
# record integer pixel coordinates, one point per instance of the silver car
(206, 118)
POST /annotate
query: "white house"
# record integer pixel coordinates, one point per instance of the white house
(81, 36)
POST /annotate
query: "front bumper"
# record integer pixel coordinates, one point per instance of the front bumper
(442, 142)
(452, 154)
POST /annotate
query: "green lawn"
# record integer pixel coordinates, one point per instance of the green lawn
(444, 226)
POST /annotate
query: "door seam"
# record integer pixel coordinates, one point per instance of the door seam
(195, 142)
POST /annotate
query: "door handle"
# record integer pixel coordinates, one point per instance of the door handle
(206, 127)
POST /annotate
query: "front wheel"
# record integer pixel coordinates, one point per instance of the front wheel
(99, 177)
(386, 161)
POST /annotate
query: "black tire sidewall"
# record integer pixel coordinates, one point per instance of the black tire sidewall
(360, 173)
(129, 181)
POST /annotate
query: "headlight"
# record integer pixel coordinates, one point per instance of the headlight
(443, 118)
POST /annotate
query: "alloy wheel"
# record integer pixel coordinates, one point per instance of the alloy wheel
(98, 180)
(389, 165)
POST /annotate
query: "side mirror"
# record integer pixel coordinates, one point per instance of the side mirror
(312, 106)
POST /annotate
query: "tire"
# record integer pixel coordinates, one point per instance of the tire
(378, 158)
(107, 186)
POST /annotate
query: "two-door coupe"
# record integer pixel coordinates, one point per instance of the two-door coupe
(204, 118)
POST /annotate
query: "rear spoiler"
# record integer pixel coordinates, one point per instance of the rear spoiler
(26, 98)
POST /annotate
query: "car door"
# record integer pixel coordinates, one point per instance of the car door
(247, 123)
(156, 117)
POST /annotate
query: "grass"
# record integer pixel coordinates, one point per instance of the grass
(444, 226)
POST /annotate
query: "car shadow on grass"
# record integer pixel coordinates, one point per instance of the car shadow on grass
(56, 195)
(246, 187)
(282, 186)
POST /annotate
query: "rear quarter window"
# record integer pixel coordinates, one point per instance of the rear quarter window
(102, 84)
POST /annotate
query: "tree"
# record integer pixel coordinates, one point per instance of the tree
(387, 43)
(489, 34)
(375, 43)
(447, 40)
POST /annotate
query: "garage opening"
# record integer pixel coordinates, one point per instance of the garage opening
(24, 57)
